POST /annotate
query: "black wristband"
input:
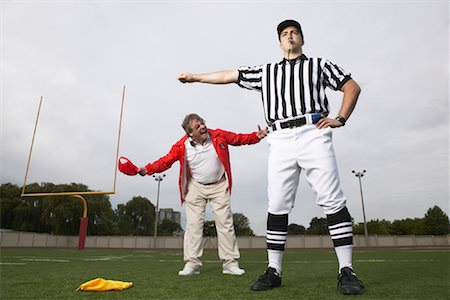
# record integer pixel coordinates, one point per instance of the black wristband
(341, 119)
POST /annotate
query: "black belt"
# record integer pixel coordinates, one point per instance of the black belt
(298, 122)
(291, 123)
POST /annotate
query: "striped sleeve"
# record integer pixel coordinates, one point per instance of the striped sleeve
(250, 77)
(334, 76)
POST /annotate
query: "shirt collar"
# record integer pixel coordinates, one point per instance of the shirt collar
(297, 59)
(207, 141)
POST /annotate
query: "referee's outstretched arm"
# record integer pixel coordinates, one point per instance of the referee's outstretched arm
(220, 77)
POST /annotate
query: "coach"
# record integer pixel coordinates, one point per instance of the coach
(205, 176)
(296, 109)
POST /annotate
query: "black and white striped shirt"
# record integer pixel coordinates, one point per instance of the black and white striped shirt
(293, 88)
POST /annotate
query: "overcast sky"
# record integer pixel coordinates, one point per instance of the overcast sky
(78, 55)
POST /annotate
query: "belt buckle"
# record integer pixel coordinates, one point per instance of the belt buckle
(292, 124)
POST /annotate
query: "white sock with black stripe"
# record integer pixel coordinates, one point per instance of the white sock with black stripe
(340, 226)
(276, 239)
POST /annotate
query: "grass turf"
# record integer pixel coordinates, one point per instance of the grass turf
(307, 274)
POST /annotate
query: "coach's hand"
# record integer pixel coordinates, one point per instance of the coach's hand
(261, 133)
(142, 171)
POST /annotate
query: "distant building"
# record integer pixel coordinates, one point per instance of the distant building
(169, 214)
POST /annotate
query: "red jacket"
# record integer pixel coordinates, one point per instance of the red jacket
(220, 140)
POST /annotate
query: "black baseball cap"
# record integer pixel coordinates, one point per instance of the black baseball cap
(287, 23)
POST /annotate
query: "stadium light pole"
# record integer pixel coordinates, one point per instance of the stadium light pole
(360, 175)
(158, 178)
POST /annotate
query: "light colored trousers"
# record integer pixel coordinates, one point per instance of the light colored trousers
(218, 195)
(307, 149)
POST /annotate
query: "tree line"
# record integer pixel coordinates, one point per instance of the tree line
(434, 222)
(60, 215)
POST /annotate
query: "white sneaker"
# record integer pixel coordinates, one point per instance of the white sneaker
(233, 271)
(187, 271)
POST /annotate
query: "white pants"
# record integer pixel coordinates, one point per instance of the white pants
(309, 149)
(218, 195)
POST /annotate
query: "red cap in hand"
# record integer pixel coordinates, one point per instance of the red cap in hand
(127, 167)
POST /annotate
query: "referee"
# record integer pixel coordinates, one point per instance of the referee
(296, 108)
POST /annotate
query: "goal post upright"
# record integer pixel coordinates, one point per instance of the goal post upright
(84, 219)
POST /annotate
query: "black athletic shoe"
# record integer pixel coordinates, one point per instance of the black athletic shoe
(348, 283)
(267, 281)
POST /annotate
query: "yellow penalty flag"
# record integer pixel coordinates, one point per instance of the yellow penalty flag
(103, 285)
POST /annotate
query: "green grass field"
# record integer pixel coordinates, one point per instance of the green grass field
(307, 274)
